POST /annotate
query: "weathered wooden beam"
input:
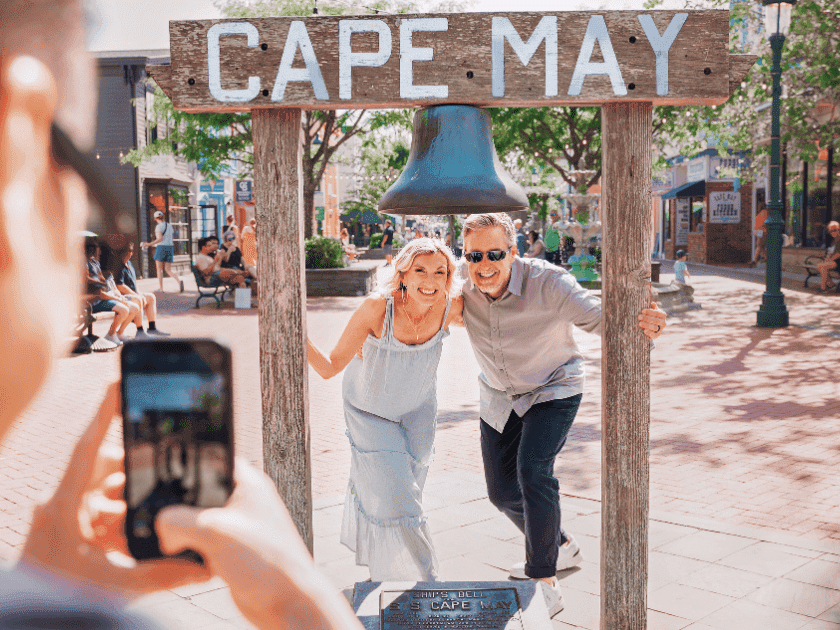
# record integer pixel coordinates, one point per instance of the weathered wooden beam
(739, 66)
(162, 74)
(625, 393)
(395, 68)
(284, 375)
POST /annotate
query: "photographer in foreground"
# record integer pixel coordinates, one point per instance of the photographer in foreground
(66, 574)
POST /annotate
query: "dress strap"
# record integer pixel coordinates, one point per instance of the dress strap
(389, 318)
(446, 314)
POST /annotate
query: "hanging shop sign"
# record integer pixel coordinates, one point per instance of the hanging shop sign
(682, 217)
(725, 207)
(509, 59)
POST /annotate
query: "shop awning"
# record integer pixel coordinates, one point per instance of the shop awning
(368, 216)
(692, 189)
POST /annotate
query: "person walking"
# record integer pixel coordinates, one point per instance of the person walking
(388, 242)
(521, 239)
(832, 258)
(537, 247)
(761, 233)
(164, 250)
(530, 389)
(390, 407)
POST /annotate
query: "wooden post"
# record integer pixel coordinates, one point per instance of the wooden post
(282, 310)
(625, 417)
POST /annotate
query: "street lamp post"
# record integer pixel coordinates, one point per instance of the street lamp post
(773, 313)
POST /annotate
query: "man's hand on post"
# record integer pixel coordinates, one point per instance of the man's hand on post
(652, 321)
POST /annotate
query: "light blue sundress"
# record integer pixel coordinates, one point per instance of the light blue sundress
(390, 406)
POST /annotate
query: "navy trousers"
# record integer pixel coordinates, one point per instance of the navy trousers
(519, 469)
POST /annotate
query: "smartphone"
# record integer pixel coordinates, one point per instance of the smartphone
(177, 411)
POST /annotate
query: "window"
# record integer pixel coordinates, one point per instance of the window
(666, 220)
(698, 205)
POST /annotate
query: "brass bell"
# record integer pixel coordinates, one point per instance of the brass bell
(452, 167)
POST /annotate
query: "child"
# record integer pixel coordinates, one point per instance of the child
(681, 274)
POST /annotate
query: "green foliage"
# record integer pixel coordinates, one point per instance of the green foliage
(376, 240)
(811, 84)
(323, 253)
(558, 138)
(595, 251)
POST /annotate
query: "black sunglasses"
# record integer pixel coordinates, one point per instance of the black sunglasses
(494, 255)
(65, 152)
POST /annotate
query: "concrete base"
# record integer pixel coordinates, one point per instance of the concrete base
(532, 613)
(355, 280)
(674, 298)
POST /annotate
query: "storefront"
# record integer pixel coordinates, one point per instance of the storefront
(710, 220)
(171, 198)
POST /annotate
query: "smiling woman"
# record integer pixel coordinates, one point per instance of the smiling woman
(391, 349)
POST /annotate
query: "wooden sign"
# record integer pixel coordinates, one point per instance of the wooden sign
(486, 59)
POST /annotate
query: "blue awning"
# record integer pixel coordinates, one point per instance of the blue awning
(692, 189)
(367, 216)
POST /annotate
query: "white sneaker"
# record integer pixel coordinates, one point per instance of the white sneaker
(569, 555)
(141, 334)
(553, 598)
(114, 339)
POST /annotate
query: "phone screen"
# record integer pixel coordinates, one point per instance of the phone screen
(177, 429)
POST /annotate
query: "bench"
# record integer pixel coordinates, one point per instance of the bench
(208, 290)
(811, 266)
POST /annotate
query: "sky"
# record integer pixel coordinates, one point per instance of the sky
(144, 24)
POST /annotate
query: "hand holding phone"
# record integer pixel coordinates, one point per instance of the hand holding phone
(178, 432)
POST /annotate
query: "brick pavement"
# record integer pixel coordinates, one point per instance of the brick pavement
(742, 428)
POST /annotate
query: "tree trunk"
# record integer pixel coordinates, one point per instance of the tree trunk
(625, 393)
(282, 316)
(309, 221)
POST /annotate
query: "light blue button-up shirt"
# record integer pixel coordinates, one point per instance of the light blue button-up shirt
(523, 341)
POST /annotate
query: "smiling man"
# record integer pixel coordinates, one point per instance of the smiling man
(519, 315)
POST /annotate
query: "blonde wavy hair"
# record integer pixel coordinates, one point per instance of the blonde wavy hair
(389, 279)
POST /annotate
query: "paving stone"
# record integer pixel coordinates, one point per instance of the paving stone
(796, 597)
(819, 624)
(181, 614)
(726, 580)
(188, 590)
(764, 558)
(746, 615)
(218, 602)
(820, 572)
(581, 609)
(461, 568)
(666, 568)
(709, 546)
(585, 577)
(686, 601)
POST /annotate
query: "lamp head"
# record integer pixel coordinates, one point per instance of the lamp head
(777, 16)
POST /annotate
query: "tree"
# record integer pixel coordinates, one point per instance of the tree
(553, 137)
(213, 141)
(810, 113)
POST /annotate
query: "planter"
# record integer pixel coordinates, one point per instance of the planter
(352, 281)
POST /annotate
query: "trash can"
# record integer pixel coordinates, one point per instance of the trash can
(654, 270)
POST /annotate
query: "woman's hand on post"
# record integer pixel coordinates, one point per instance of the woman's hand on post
(80, 530)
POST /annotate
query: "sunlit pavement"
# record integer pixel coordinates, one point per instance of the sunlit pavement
(745, 504)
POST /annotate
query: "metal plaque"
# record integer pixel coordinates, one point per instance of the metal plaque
(450, 609)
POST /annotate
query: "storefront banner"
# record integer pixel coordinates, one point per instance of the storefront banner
(697, 170)
(683, 208)
(245, 191)
(663, 182)
(725, 207)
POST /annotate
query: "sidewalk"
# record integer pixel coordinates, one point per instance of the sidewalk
(745, 503)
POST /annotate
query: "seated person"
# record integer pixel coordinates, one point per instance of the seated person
(232, 256)
(349, 248)
(104, 298)
(832, 258)
(209, 264)
(126, 281)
